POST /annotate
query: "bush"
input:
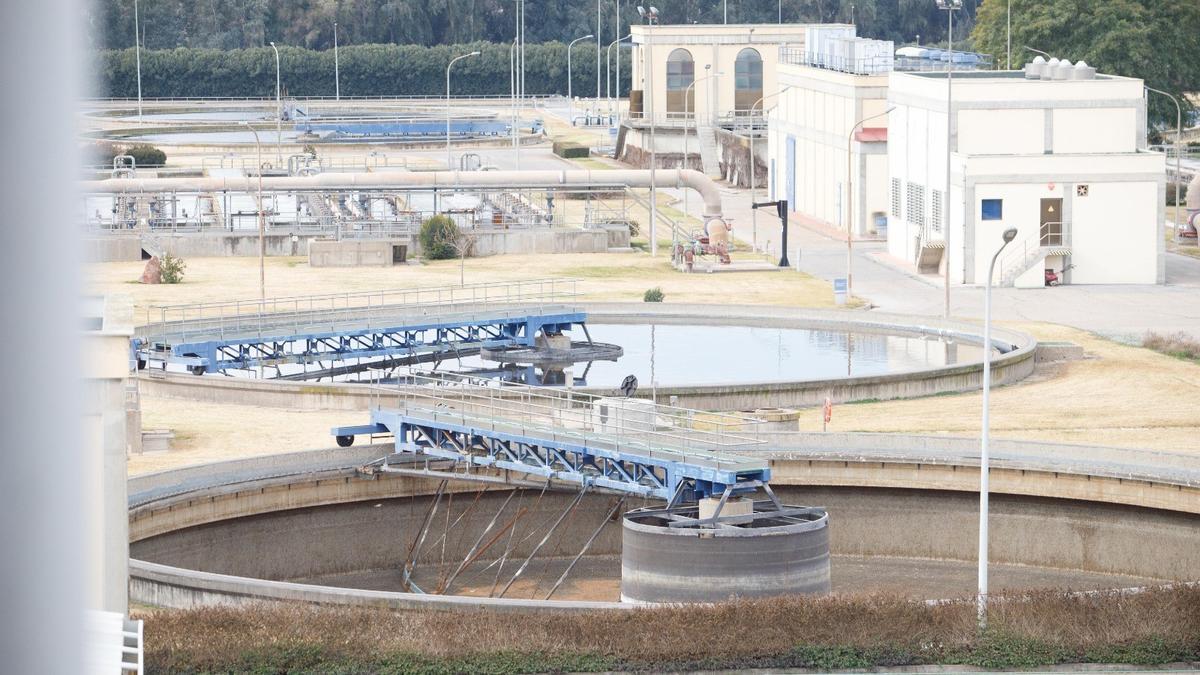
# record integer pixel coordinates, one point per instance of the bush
(1180, 345)
(438, 237)
(146, 155)
(653, 295)
(569, 150)
(1183, 190)
(172, 268)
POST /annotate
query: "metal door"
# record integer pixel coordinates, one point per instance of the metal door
(1051, 222)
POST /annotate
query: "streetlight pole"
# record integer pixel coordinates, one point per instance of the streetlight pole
(598, 35)
(1008, 58)
(337, 80)
(608, 62)
(648, 69)
(1009, 235)
(753, 177)
(278, 112)
(512, 84)
(695, 128)
(1178, 151)
(949, 6)
(449, 165)
(570, 96)
(137, 50)
(262, 224)
(850, 202)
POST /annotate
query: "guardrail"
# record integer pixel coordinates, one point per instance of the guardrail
(261, 318)
(1056, 234)
(566, 416)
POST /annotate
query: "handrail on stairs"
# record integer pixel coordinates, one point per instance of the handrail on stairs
(1032, 248)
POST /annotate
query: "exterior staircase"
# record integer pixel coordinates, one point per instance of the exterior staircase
(932, 250)
(1033, 250)
(710, 158)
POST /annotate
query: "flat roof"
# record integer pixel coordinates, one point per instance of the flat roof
(999, 75)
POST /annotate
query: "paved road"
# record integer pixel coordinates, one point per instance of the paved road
(1118, 311)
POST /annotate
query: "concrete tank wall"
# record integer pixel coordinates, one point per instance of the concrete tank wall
(661, 564)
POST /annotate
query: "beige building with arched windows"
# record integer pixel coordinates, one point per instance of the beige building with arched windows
(729, 66)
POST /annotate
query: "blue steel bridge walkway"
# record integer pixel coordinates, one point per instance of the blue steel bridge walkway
(250, 333)
(628, 445)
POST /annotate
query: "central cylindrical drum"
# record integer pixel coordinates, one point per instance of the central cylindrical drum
(767, 556)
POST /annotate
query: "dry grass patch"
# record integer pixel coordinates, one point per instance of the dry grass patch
(1121, 396)
(609, 277)
(832, 632)
(1179, 345)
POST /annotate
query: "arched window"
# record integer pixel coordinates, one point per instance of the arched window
(748, 80)
(681, 71)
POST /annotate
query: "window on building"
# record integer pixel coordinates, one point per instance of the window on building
(896, 203)
(681, 72)
(993, 209)
(936, 214)
(747, 80)
(915, 206)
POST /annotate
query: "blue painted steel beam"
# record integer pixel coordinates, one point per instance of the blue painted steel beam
(555, 454)
(446, 335)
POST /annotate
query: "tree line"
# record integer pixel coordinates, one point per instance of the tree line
(241, 24)
(364, 70)
(1154, 40)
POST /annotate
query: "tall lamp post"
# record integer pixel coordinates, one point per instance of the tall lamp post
(262, 223)
(337, 80)
(278, 113)
(753, 177)
(570, 96)
(449, 166)
(695, 129)
(599, 34)
(950, 6)
(850, 202)
(1178, 151)
(1009, 235)
(614, 98)
(1008, 42)
(512, 84)
(137, 50)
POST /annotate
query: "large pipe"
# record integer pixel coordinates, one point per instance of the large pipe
(456, 180)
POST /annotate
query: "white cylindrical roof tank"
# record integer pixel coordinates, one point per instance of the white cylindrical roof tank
(1083, 71)
(1063, 70)
(1048, 69)
(1033, 69)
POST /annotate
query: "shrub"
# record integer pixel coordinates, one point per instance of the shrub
(438, 237)
(1183, 190)
(146, 155)
(172, 268)
(1180, 345)
(653, 295)
(569, 150)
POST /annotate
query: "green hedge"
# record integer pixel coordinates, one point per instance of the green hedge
(365, 70)
(569, 150)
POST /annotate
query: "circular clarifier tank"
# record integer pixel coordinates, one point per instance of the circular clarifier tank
(671, 556)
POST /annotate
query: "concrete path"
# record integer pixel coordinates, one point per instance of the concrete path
(1121, 312)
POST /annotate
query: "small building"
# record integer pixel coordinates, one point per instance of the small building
(1057, 151)
(705, 89)
(741, 58)
(826, 89)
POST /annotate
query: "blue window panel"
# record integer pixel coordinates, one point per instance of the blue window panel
(993, 209)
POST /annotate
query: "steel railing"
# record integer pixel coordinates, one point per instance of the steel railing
(1055, 234)
(242, 319)
(563, 415)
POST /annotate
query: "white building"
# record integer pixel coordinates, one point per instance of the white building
(1062, 159)
(812, 154)
(741, 58)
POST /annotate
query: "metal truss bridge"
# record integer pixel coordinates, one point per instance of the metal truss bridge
(312, 329)
(626, 445)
